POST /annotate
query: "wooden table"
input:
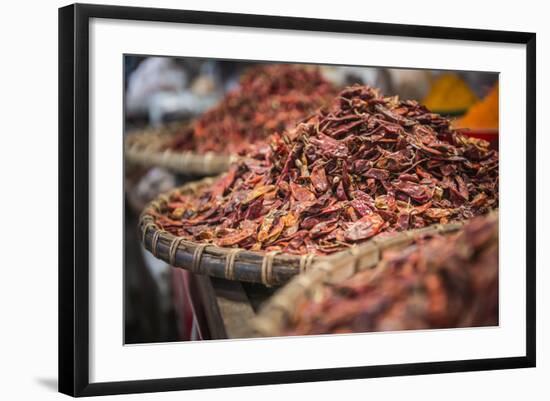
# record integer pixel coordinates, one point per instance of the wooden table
(223, 308)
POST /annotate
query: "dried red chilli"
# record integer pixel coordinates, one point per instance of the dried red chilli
(331, 182)
(437, 282)
(270, 98)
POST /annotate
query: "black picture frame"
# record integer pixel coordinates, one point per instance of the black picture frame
(74, 198)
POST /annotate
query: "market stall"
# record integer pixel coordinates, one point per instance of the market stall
(312, 171)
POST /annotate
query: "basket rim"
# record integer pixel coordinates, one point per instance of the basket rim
(186, 162)
(272, 268)
(276, 267)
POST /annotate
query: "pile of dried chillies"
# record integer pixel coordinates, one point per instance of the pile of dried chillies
(437, 282)
(269, 99)
(366, 165)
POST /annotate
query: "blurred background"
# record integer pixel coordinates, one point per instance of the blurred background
(159, 304)
(162, 89)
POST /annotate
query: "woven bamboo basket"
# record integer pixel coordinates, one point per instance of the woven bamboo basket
(275, 315)
(149, 148)
(268, 268)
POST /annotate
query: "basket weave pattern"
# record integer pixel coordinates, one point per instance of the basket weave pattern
(277, 313)
(269, 268)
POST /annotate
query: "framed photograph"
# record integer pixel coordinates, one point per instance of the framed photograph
(252, 199)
